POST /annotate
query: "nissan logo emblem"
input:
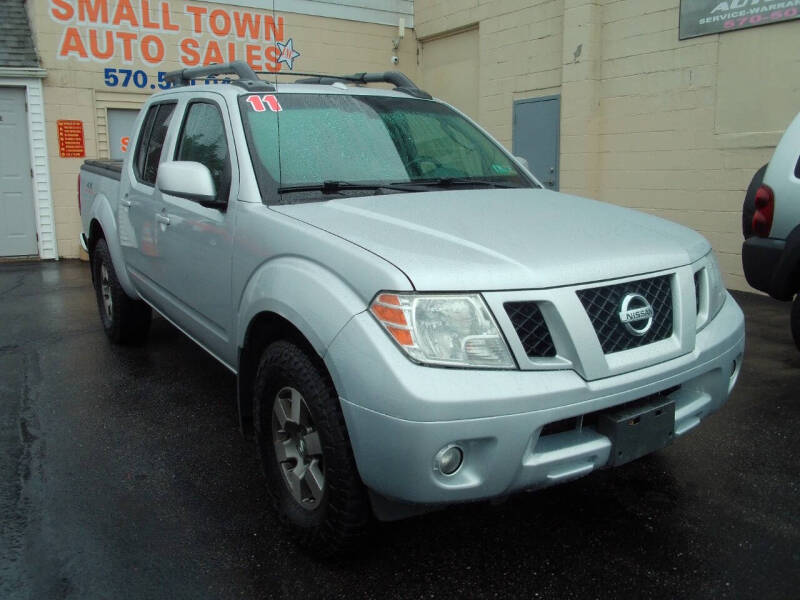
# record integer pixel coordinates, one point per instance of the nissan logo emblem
(636, 314)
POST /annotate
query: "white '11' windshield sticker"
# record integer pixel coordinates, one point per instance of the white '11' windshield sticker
(261, 103)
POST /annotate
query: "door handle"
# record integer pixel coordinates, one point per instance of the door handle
(163, 219)
(125, 202)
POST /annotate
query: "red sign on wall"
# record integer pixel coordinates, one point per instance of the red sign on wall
(70, 139)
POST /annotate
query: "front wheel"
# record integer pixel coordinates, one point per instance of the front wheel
(305, 451)
(795, 320)
(125, 321)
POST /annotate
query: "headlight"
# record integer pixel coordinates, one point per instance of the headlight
(715, 290)
(443, 329)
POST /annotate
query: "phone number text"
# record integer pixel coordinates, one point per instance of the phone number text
(140, 79)
(776, 15)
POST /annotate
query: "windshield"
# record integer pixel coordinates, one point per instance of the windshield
(339, 142)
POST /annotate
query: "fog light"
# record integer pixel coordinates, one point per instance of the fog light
(448, 460)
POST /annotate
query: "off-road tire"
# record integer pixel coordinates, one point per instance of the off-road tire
(129, 319)
(342, 517)
(795, 321)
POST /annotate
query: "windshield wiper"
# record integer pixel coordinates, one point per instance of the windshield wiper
(457, 181)
(332, 186)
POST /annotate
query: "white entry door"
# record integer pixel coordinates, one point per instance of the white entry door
(17, 220)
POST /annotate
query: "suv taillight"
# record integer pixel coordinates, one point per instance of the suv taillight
(79, 193)
(765, 209)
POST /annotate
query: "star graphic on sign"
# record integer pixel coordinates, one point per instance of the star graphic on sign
(287, 53)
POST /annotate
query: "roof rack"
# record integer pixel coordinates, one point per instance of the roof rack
(401, 82)
(247, 77)
(249, 80)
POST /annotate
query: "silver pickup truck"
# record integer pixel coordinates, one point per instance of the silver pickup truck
(413, 321)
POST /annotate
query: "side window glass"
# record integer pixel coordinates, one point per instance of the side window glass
(203, 140)
(156, 142)
(141, 145)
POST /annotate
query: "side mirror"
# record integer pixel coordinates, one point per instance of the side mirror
(190, 180)
(523, 162)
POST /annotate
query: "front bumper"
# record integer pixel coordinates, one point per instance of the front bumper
(399, 414)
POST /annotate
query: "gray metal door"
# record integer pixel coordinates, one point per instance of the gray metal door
(120, 127)
(17, 218)
(536, 136)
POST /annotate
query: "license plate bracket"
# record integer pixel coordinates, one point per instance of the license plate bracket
(637, 428)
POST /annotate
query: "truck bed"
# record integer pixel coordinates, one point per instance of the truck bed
(99, 182)
(106, 167)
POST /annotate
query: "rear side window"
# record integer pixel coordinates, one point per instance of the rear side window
(141, 146)
(203, 140)
(151, 142)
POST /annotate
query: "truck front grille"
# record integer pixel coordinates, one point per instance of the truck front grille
(528, 322)
(603, 305)
(697, 291)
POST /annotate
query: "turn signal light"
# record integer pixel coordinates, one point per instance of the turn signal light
(386, 314)
(386, 308)
(765, 210)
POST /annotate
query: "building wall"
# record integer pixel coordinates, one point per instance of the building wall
(76, 87)
(675, 128)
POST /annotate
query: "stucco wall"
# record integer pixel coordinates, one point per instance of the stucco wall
(676, 128)
(75, 88)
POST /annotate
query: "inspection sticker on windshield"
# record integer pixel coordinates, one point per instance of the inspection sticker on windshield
(502, 169)
(258, 103)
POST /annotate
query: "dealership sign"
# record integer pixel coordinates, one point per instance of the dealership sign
(703, 17)
(150, 32)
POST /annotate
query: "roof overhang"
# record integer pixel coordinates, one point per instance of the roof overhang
(37, 72)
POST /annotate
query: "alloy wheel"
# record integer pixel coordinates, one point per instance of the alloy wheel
(298, 449)
(105, 290)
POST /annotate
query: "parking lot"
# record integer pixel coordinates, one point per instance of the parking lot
(123, 475)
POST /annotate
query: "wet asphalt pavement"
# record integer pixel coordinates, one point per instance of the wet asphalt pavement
(123, 475)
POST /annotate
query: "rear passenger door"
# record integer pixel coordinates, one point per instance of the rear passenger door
(138, 230)
(197, 245)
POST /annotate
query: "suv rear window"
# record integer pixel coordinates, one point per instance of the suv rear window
(151, 142)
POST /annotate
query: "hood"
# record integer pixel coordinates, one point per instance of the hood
(498, 239)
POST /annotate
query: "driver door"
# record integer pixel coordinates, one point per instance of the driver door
(197, 240)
